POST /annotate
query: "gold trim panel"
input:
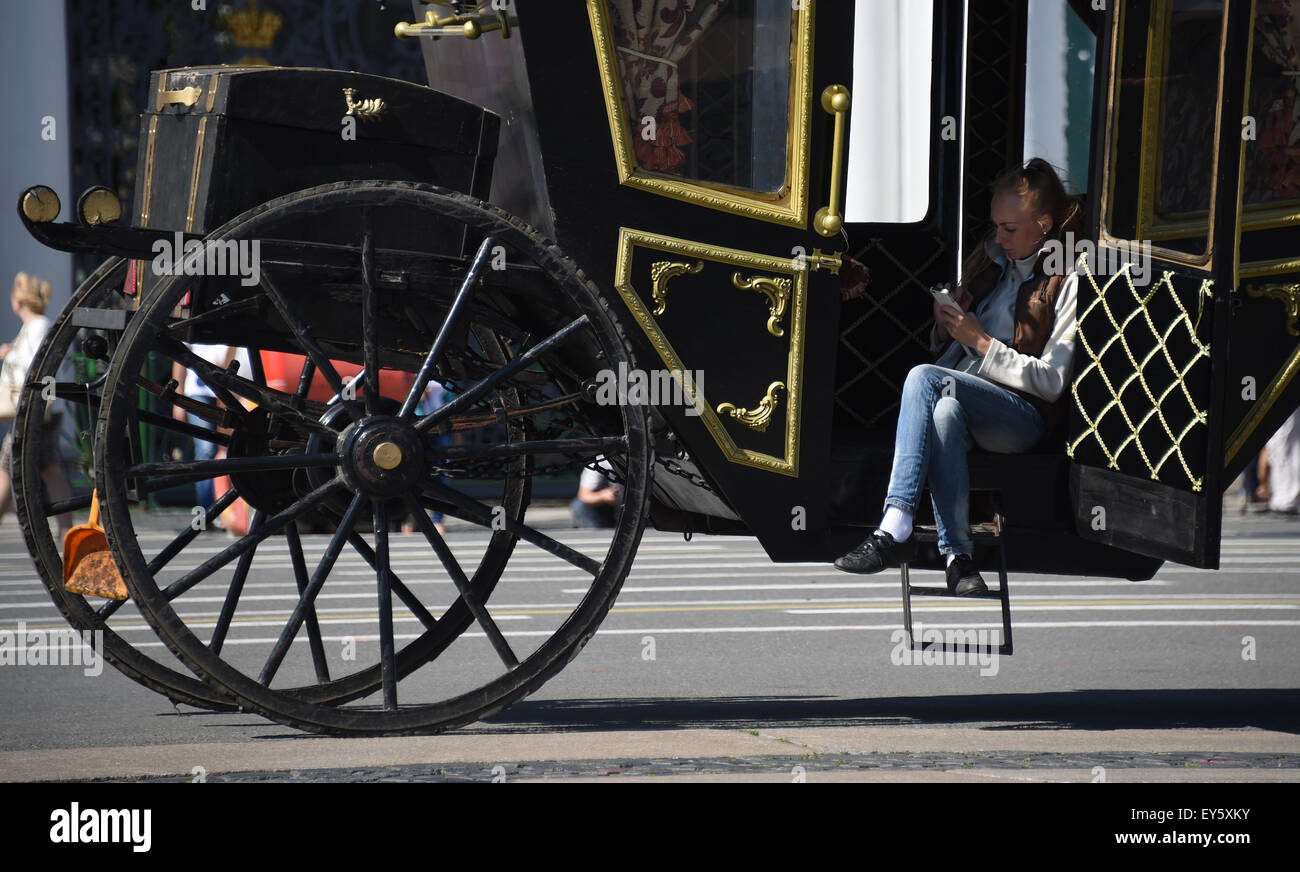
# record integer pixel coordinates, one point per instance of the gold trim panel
(196, 174)
(790, 205)
(628, 241)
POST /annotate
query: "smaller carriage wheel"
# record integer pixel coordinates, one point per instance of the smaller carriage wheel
(400, 277)
(71, 361)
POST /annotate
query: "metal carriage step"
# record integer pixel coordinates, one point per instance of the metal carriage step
(992, 533)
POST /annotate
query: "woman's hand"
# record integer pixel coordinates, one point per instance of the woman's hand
(965, 327)
(963, 298)
(4, 350)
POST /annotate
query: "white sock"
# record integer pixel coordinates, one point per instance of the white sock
(897, 523)
(951, 558)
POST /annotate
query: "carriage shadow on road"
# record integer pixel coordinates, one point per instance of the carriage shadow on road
(1269, 709)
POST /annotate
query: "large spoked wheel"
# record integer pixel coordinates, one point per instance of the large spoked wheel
(345, 631)
(69, 368)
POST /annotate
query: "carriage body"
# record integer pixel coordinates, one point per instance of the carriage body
(699, 221)
(1191, 230)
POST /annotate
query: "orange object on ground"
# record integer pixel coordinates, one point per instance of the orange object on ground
(88, 566)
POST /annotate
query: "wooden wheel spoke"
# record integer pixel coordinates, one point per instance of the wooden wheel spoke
(229, 465)
(460, 505)
(403, 592)
(235, 590)
(255, 364)
(300, 576)
(174, 547)
(75, 504)
(525, 360)
(448, 328)
(387, 657)
(190, 533)
(184, 428)
(369, 318)
(239, 308)
(305, 339)
(471, 599)
(251, 540)
(304, 380)
(220, 380)
(273, 400)
(307, 599)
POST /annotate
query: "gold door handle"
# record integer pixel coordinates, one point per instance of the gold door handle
(830, 219)
(471, 25)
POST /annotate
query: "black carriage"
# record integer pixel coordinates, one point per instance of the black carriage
(696, 183)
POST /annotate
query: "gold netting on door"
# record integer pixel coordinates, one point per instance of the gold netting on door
(1142, 387)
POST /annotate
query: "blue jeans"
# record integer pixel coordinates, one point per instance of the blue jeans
(942, 410)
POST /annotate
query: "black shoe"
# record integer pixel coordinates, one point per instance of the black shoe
(875, 553)
(963, 578)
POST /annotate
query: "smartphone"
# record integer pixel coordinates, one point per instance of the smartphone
(946, 298)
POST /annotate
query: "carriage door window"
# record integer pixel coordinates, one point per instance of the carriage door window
(1271, 186)
(704, 99)
(1163, 127)
(890, 143)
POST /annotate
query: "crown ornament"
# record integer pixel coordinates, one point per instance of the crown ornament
(252, 28)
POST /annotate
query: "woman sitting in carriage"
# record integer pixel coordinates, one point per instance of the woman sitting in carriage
(1001, 380)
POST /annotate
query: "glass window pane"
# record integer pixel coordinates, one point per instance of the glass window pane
(1191, 90)
(1060, 66)
(1162, 161)
(890, 138)
(1273, 157)
(707, 87)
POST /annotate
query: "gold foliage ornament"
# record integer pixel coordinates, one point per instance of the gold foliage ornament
(760, 418)
(371, 109)
(664, 271)
(777, 291)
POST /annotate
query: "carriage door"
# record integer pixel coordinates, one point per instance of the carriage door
(1152, 402)
(695, 155)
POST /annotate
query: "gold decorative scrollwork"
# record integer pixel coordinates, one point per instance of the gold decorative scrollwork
(1287, 295)
(664, 271)
(777, 291)
(760, 418)
(371, 109)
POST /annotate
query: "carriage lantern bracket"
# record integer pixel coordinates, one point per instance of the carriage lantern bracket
(465, 20)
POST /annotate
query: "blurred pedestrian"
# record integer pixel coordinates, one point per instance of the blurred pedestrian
(1283, 467)
(29, 298)
(598, 497)
(195, 388)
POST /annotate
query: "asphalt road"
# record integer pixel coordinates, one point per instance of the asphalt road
(710, 647)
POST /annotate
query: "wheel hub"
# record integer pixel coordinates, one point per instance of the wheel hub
(383, 456)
